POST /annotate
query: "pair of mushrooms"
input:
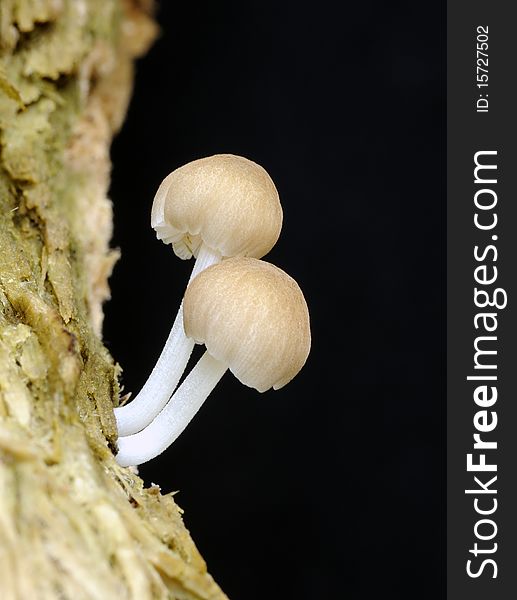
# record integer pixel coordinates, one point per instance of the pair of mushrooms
(251, 316)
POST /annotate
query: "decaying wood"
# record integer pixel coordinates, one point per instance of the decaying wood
(73, 524)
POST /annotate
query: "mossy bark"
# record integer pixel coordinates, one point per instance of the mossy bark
(73, 524)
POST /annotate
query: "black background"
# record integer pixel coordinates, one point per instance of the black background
(333, 486)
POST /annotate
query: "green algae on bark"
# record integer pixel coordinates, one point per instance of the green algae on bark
(72, 523)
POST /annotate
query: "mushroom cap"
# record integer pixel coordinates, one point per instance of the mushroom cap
(251, 316)
(227, 202)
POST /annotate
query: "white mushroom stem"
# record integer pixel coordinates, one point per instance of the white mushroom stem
(168, 370)
(177, 414)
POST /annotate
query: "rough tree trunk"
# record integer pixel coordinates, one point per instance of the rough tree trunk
(73, 524)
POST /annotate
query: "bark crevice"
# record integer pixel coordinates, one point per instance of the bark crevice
(72, 523)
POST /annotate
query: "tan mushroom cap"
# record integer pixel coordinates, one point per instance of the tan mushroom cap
(228, 202)
(251, 316)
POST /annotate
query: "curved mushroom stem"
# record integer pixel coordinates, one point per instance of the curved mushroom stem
(168, 370)
(177, 414)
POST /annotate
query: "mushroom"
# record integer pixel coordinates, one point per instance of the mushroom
(212, 208)
(253, 319)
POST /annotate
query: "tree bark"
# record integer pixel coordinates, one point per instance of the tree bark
(73, 524)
